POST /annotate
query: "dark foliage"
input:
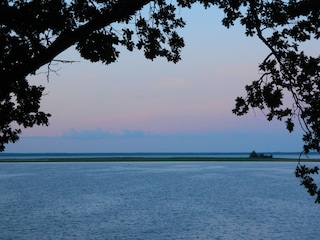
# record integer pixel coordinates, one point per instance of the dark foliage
(304, 172)
(289, 87)
(33, 33)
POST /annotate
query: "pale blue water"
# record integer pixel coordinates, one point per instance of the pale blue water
(170, 200)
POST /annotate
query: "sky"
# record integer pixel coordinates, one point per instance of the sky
(138, 105)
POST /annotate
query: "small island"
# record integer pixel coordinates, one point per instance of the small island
(253, 154)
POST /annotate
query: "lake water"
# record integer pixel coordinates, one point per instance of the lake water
(167, 200)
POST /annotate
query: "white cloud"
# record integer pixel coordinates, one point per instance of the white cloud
(101, 134)
(98, 140)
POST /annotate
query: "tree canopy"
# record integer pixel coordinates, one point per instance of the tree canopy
(34, 32)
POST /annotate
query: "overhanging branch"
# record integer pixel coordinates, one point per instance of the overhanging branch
(68, 38)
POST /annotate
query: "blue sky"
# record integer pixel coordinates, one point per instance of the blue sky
(136, 105)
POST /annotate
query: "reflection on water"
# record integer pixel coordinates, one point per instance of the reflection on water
(208, 200)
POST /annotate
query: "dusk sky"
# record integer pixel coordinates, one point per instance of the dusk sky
(136, 105)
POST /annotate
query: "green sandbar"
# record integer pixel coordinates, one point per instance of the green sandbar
(156, 159)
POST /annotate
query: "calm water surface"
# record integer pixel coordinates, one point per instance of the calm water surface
(206, 200)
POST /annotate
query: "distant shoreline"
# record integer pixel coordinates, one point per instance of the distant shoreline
(154, 159)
